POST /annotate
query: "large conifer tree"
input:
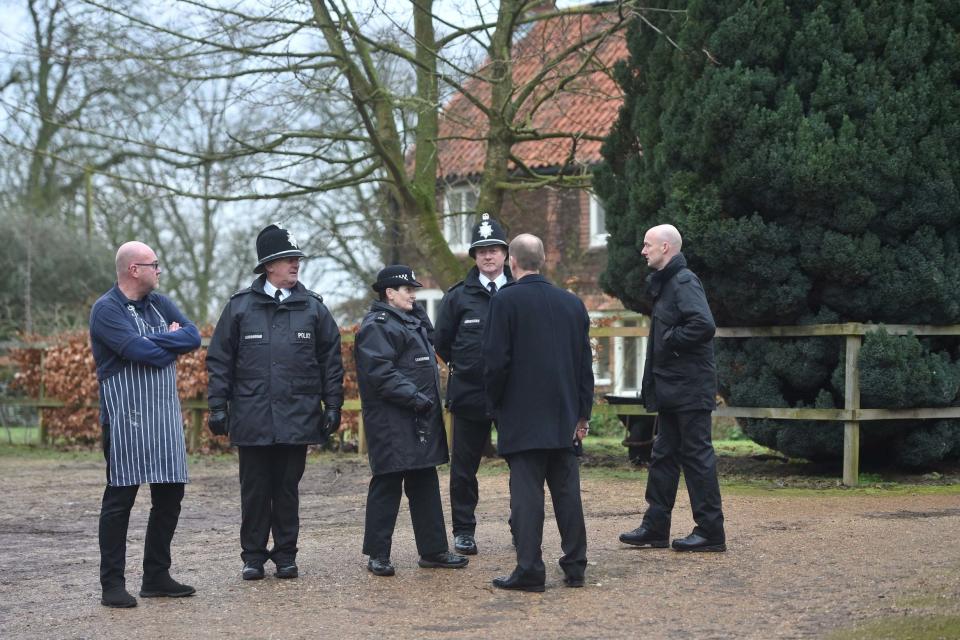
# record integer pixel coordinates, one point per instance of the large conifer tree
(809, 153)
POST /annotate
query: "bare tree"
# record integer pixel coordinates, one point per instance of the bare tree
(352, 99)
(57, 86)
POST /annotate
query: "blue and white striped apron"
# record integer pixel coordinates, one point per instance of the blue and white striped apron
(146, 426)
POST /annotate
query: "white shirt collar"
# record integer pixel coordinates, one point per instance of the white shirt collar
(271, 290)
(500, 280)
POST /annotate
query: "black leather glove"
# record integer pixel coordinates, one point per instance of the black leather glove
(422, 403)
(331, 422)
(217, 420)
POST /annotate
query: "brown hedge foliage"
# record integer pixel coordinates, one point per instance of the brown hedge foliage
(64, 365)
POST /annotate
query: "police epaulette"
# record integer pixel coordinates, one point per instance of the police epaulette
(381, 317)
(452, 287)
(244, 290)
(315, 295)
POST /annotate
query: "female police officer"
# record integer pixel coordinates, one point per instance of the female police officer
(400, 392)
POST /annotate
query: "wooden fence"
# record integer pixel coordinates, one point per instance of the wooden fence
(851, 415)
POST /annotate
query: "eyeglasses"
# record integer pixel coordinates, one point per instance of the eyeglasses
(155, 264)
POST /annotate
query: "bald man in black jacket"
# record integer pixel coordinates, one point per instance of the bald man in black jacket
(538, 377)
(680, 383)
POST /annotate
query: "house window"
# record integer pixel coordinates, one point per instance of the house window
(602, 359)
(430, 300)
(603, 356)
(460, 206)
(630, 353)
(598, 223)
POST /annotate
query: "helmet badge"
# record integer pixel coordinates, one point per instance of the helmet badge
(485, 230)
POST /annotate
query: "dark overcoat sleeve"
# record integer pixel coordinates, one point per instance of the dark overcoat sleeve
(585, 375)
(497, 351)
(221, 356)
(330, 357)
(446, 327)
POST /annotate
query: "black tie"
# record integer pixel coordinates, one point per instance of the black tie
(278, 295)
(493, 287)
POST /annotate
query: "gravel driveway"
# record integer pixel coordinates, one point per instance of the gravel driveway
(798, 566)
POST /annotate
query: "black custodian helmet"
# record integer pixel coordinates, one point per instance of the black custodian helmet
(486, 233)
(274, 243)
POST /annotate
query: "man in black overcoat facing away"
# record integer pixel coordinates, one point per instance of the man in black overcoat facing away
(538, 376)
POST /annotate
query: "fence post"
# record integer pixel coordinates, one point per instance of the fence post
(42, 426)
(361, 435)
(448, 427)
(851, 401)
(196, 428)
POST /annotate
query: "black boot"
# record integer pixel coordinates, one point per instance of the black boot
(164, 586)
(118, 598)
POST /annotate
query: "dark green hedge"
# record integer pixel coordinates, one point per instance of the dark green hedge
(809, 153)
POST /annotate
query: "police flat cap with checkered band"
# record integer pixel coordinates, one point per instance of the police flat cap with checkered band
(394, 276)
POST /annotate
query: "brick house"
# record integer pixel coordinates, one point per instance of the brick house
(570, 221)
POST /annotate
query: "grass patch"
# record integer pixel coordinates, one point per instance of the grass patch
(913, 627)
(37, 452)
(19, 435)
(935, 625)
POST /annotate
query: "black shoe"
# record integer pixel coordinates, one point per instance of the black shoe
(118, 598)
(573, 581)
(443, 561)
(466, 544)
(514, 583)
(380, 567)
(165, 587)
(696, 542)
(252, 570)
(287, 571)
(644, 538)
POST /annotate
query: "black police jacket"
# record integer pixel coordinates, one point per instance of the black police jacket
(460, 324)
(679, 373)
(277, 364)
(396, 370)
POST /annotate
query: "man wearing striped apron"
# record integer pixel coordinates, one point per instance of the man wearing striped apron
(136, 335)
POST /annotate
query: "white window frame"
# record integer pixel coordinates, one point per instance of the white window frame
(619, 350)
(594, 344)
(598, 237)
(464, 214)
(430, 298)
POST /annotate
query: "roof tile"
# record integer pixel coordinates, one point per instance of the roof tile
(588, 105)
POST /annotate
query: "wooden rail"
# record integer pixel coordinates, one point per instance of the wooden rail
(851, 415)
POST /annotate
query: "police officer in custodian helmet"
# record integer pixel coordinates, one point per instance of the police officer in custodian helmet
(460, 326)
(276, 385)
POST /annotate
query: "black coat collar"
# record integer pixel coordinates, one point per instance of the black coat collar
(657, 279)
(528, 279)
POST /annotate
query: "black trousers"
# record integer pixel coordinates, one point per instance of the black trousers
(426, 511)
(469, 440)
(561, 471)
(165, 499)
(270, 501)
(684, 442)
